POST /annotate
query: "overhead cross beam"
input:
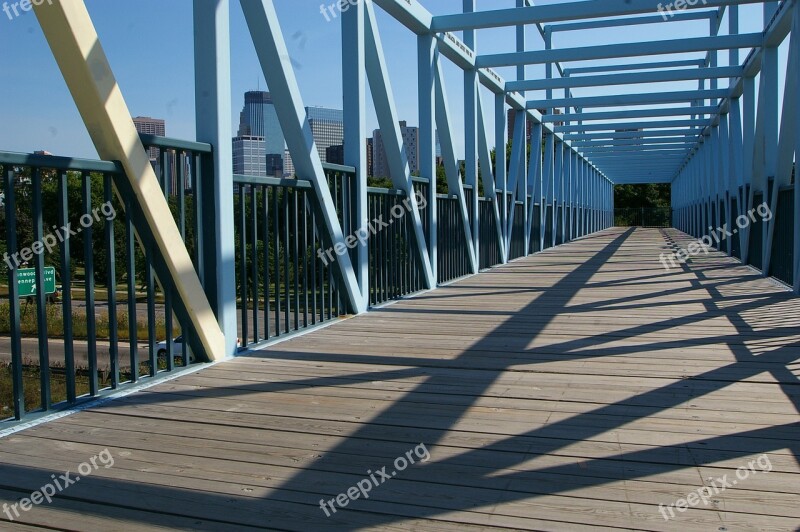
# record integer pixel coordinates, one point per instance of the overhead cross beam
(619, 100)
(563, 12)
(633, 21)
(634, 66)
(690, 74)
(610, 51)
(632, 113)
(633, 134)
(630, 125)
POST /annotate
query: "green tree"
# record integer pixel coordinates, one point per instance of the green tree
(642, 196)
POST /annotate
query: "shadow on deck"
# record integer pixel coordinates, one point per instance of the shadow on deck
(579, 388)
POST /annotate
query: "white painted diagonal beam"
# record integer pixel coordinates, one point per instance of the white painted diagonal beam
(85, 68)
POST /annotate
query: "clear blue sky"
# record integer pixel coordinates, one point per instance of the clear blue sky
(149, 44)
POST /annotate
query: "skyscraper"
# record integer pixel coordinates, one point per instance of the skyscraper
(288, 165)
(335, 154)
(249, 156)
(512, 120)
(370, 156)
(151, 126)
(260, 119)
(327, 127)
(380, 166)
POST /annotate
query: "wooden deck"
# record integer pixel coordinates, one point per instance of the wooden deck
(576, 389)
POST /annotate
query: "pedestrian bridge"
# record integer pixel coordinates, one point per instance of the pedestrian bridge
(488, 348)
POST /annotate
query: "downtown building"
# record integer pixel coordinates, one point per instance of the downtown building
(170, 159)
(327, 128)
(512, 119)
(258, 122)
(151, 126)
(335, 155)
(380, 165)
(250, 156)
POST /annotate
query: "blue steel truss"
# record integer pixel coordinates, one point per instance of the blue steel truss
(728, 148)
(721, 146)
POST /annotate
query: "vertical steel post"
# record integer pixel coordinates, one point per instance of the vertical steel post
(501, 159)
(355, 132)
(471, 130)
(213, 126)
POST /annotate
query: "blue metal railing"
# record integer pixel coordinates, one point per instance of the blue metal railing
(70, 225)
(517, 247)
(490, 246)
(643, 217)
(285, 279)
(452, 256)
(782, 261)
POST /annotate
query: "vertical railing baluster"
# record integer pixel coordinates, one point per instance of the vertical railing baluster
(371, 253)
(267, 288)
(168, 326)
(17, 382)
(180, 161)
(41, 311)
(286, 259)
(305, 258)
(151, 308)
(88, 259)
(254, 230)
(295, 230)
(315, 265)
(132, 310)
(111, 284)
(276, 259)
(197, 199)
(243, 265)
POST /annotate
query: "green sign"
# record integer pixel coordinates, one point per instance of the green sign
(26, 281)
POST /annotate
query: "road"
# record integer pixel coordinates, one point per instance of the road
(30, 352)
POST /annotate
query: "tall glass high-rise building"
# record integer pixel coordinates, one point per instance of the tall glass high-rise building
(327, 126)
(260, 119)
